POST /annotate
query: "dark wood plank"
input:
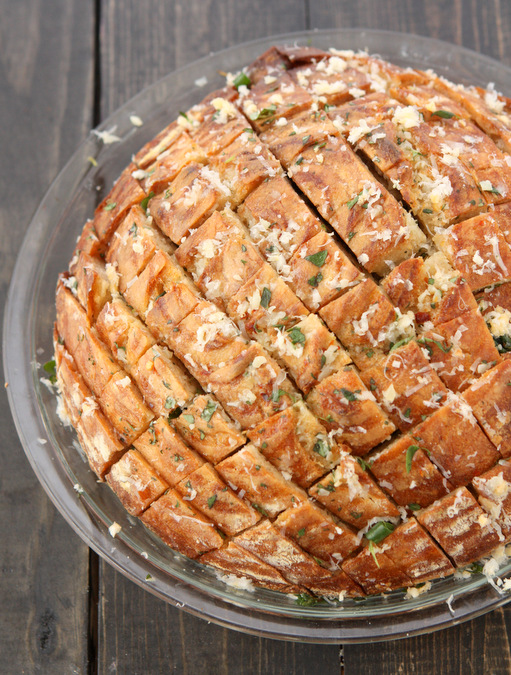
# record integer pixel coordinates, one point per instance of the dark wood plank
(137, 632)
(45, 110)
(484, 27)
(480, 646)
(477, 647)
(149, 636)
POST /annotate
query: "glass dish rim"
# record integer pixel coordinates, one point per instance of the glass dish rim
(87, 519)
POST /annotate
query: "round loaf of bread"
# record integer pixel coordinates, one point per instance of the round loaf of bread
(283, 337)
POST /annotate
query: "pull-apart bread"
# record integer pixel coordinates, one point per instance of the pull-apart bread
(283, 338)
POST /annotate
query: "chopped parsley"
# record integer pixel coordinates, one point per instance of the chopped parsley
(109, 206)
(170, 402)
(209, 410)
(265, 298)
(306, 600)
(424, 340)
(276, 395)
(410, 452)
(444, 114)
(189, 418)
(353, 201)
(50, 368)
(266, 112)
(365, 465)
(242, 80)
(315, 281)
(211, 501)
(318, 258)
(144, 203)
(321, 447)
(373, 553)
(296, 336)
(349, 395)
(379, 531)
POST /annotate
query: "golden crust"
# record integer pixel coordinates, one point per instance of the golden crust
(134, 482)
(346, 407)
(166, 452)
(265, 487)
(352, 495)
(461, 527)
(180, 526)
(406, 473)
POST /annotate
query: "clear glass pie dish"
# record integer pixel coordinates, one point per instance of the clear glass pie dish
(52, 449)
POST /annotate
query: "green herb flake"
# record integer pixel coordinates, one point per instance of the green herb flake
(306, 600)
(242, 80)
(110, 206)
(427, 210)
(400, 343)
(410, 452)
(318, 258)
(414, 507)
(364, 465)
(148, 577)
(170, 403)
(50, 368)
(211, 501)
(276, 395)
(296, 336)
(444, 114)
(265, 298)
(321, 447)
(425, 340)
(379, 531)
(315, 281)
(209, 410)
(306, 139)
(353, 201)
(144, 203)
(301, 532)
(266, 112)
(133, 230)
(373, 553)
(189, 418)
(350, 395)
(259, 509)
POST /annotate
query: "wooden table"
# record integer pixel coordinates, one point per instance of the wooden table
(64, 66)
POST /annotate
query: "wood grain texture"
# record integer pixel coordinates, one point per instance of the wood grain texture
(141, 635)
(141, 42)
(45, 110)
(478, 647)
(484, 27)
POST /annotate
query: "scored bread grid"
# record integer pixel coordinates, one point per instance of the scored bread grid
(97, 281)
